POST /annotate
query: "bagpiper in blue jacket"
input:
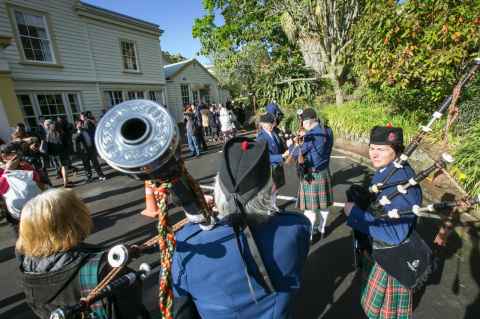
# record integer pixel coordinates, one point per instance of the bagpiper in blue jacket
(316, 148)
(390, 231)
(208, 267)
(275, 146)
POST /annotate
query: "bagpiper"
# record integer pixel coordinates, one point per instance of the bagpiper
(394, 243)
(315, 190)
(276, 149)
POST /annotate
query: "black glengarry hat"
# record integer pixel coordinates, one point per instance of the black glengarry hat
(267, 118)
(309, 114)
(245, 168)
(386, 135)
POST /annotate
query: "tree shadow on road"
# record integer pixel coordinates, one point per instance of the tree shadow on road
(326, 268)
(7, 253)
(107, 194)
(345, 175)
(473, 310)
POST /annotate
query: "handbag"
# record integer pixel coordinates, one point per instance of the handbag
(409, 262)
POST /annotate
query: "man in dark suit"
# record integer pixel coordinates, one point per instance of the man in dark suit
(85, 147)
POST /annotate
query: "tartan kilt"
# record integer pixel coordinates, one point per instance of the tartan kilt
(383, 297)
(316, 193)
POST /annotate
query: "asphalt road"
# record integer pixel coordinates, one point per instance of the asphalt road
(330, 286)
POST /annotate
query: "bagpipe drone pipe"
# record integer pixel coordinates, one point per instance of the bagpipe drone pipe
(366, 198)
(141, 139)
(425, 129)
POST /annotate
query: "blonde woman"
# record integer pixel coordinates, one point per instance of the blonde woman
(57, 267)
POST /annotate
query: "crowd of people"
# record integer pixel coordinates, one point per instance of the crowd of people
(211, 122)
(249, 262)
(26, 159)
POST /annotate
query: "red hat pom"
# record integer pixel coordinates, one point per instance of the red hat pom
(244, 146)
(389, 125)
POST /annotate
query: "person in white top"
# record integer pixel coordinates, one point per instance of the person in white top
(227, 123)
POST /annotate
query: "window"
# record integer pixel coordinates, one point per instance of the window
(129, 55)
(156, 96)
(34, 37)
(195, 97)
(28, 111)
(132, 95)
(206, 98)
(185, 93)
(114, 97)
(49, 106)
(74, 106)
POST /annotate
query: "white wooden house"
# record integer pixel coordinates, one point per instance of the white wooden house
(190, 82)
(66, 56)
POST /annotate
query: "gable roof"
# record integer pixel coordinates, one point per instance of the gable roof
(173, 69)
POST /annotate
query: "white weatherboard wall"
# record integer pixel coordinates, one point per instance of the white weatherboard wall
(89, 57)
(193, 74)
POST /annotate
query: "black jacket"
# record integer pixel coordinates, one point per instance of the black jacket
(59, 284)
(81, 145)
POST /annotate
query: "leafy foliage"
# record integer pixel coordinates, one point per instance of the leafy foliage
(468, 157)
(322, 31)
(414, 52)
(173, 58)
(251, 53)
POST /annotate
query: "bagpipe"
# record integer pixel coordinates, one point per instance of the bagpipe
(366, 199)
(140, 138)
(122, 282)
(425, 211)
(298, 140)
(425, 129)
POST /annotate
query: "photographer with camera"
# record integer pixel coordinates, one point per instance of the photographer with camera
(19, 182)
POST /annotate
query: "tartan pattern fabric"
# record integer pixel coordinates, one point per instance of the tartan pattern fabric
(315, 192)
(383, 297)
(88, 281)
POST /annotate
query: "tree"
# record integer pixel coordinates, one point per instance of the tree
(322, 31)
(251, 53)
(173, 58)
(414, 52)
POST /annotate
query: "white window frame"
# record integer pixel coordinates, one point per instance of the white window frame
(135, 94)
(45, 19)
(135, 52)
(36, 105)
(113, 99)
(182, 86)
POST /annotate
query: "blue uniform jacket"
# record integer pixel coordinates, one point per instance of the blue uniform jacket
(316, 148)
(208, 267)
(275, 147)
(391, 231)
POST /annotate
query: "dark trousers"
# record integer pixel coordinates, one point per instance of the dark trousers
(90, 155)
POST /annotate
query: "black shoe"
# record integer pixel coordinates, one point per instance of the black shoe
(89, 180)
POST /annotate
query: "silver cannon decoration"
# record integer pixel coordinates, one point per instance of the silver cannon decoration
(137, 137)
